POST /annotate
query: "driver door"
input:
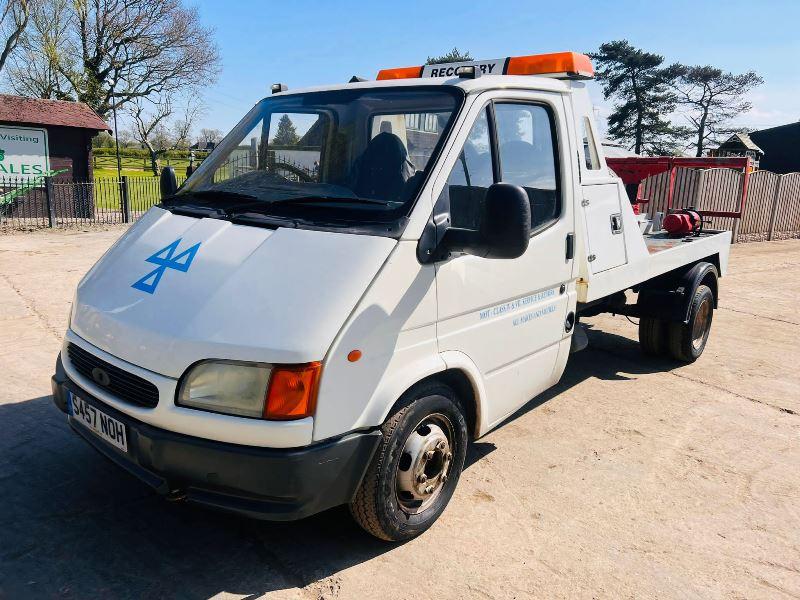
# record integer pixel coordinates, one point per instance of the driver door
(508, 315)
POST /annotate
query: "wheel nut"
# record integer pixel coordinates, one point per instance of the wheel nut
(422, 478)
(449, 456)
(443, 478)
(429, 455)
(429, 489)
(441, 445)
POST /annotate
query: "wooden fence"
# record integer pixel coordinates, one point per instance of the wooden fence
(771, 210)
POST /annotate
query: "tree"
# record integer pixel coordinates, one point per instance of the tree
(455, 55)
(35, 68)
(210, 136)
(286, 135)
(182, 126)
(152, 130)
(13, 20)
(712, 98)
(120, 51)
(103, 140)
(643, 98)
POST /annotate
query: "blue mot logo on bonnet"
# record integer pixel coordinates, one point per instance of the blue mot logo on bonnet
(166, 259)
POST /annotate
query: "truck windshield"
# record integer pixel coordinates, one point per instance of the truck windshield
(345, 156)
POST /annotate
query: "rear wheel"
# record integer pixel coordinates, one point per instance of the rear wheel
(416, 467)
(653, 336)
(688, 340)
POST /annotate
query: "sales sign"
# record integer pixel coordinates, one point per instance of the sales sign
(23, 153)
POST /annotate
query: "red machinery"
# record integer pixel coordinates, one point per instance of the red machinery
(683, 222)
(634, 169)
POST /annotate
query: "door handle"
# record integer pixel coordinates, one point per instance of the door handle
(616, 223)
(570, 246)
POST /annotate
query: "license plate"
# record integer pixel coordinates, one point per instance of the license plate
(98, 422)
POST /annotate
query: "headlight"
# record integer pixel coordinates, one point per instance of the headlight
(252, 389)
(227, 387)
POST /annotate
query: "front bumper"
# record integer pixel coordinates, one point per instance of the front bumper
(265, 483)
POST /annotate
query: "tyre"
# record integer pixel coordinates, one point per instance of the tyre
(688, 340)
(416, 467)
(653, 336)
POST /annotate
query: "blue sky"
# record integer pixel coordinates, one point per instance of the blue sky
(305, 42)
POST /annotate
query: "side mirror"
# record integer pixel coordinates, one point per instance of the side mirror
(506, 225)
(505, 228)
(168, 182)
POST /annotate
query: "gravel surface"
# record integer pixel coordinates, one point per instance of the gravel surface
(633, 478)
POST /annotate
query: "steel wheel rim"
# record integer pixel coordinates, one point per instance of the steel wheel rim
(424, 465)
(701, 323)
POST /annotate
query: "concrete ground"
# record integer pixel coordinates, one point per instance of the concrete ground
(633, 478)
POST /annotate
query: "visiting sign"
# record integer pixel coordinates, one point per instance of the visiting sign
(23, 154)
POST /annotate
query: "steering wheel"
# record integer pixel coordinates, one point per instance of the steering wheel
(294, 170)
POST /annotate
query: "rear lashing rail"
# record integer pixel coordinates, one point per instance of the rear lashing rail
(633, 170)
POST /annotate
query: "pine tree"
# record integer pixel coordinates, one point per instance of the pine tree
(455, 55)
(286, 135)
(643, 98)
(711, 98)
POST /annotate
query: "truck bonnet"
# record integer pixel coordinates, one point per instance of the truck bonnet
(175, 290)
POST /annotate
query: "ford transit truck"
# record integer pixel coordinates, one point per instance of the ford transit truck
(363, 278)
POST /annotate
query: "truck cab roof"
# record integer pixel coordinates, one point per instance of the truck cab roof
(470, 86)
(549, 72)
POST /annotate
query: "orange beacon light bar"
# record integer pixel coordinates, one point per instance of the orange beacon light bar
(561, 65)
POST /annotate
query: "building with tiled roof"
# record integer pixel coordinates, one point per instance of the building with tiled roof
(65, 130)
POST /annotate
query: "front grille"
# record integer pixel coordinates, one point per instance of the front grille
(121, 384)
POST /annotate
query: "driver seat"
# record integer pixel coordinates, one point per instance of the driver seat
(383, 168)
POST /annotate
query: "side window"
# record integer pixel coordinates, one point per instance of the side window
(589, 147)
(527, 157)
(471, 177)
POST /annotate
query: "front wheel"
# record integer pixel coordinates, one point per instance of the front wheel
(416, 467)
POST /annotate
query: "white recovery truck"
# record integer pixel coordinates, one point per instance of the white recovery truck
(362, 278)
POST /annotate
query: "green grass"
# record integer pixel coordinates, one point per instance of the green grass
(112, 173)
(143, 190)
(107, 165)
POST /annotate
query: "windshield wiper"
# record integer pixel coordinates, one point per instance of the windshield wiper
(194, 210)
(320, 198)
(251, 218)
(221, 194)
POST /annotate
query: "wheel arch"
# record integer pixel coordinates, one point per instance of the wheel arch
(669, 296)
(703, 273)
(464, 376)
(460, 374)
(711, 279)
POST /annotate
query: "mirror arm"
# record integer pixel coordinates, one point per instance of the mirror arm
(456, 239)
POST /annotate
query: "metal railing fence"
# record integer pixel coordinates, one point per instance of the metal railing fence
(771, 210)
(42, 202)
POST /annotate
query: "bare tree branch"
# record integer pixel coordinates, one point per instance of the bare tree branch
(106, 52)
(13, 20)
(34, 67)
(146, 124)
(154, 129)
